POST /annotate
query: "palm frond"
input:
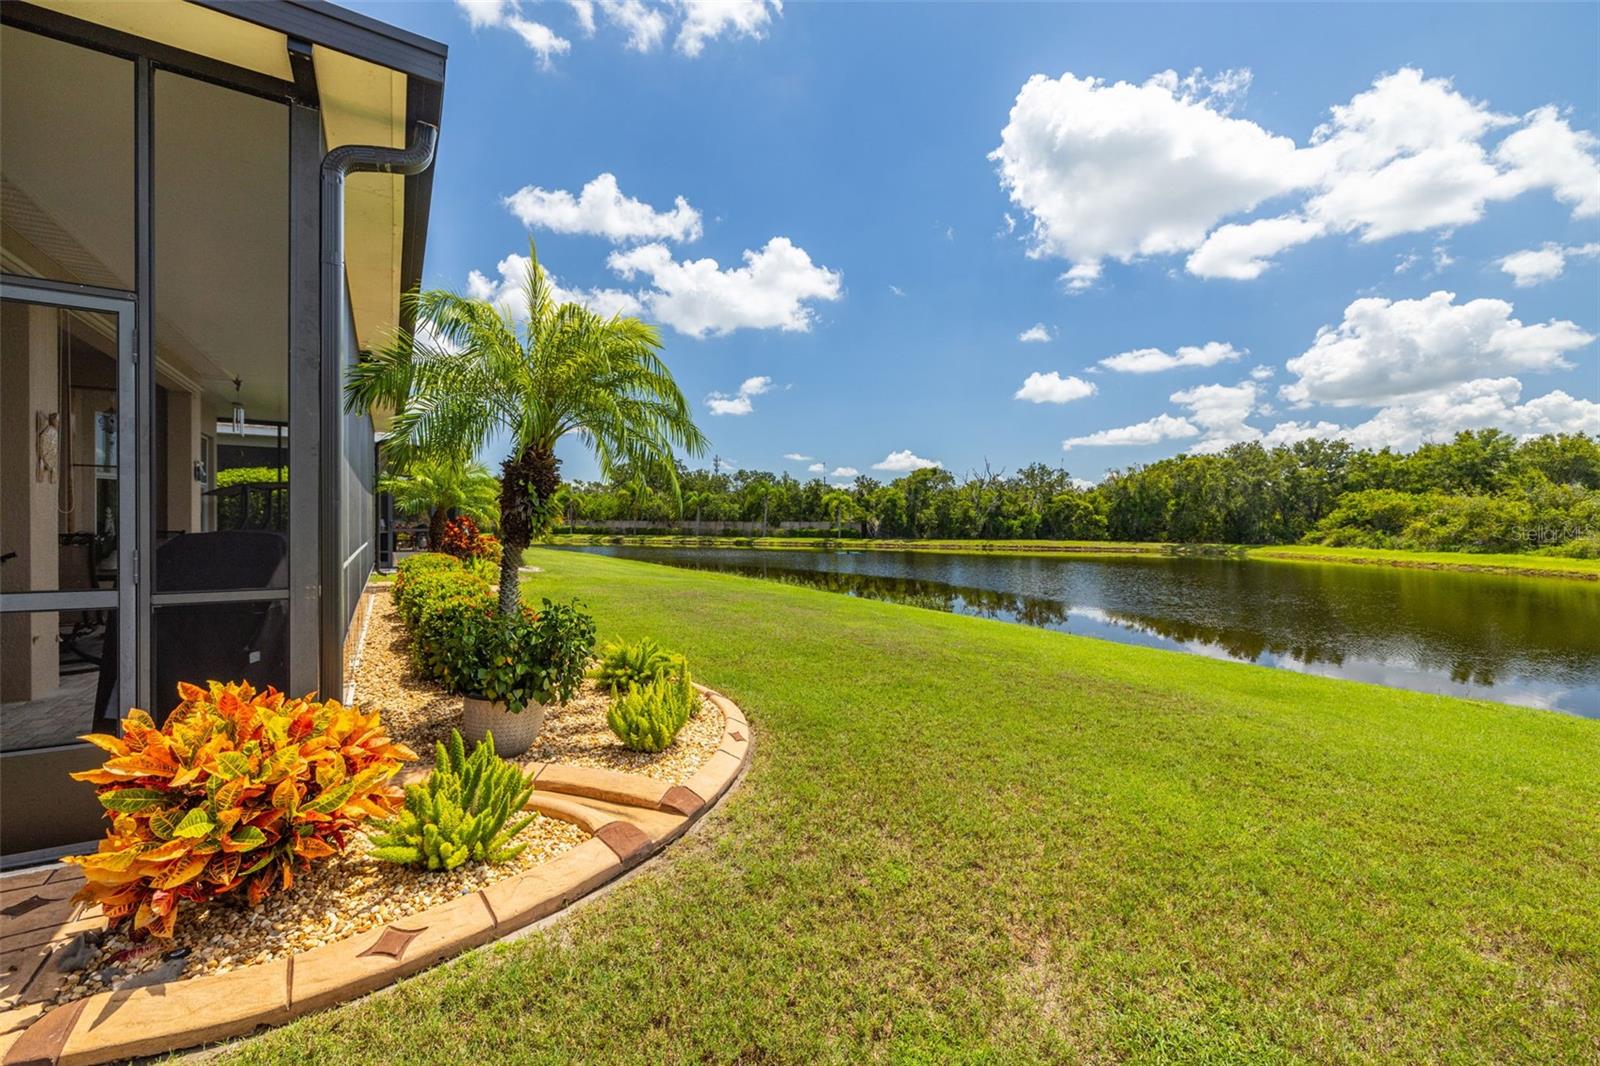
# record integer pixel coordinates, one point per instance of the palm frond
(469, 372)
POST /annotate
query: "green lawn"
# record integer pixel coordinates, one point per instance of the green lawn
(962, 840)
(1526, 565)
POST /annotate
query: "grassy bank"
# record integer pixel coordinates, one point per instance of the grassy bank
(954, 547)
(1520, 565)
(962, 840)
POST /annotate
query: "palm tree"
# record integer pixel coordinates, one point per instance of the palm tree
(468, 372)
(435, 486)
(636, 495)
(761, 492)
(691, 501)
(841, 505)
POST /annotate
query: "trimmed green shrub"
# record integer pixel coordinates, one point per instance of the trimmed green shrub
(455, 626)
(624, 665)
(530, 657)
(460, 639)
(422, 561)
(647, 717)
(421, 588)
(251, 475)
(448, 611)
(501, 660)
(413, 568)
(562, 638)
(460, 814)
(484, 569)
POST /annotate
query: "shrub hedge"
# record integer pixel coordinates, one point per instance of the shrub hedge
(460, 640)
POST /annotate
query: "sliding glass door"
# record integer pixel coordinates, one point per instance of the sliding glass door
(158, 417)
(67, 508)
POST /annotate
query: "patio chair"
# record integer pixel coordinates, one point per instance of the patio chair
(240, 641)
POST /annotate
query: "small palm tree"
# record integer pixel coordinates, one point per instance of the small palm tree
(761, 492)
(692, 501)
(435, 486)
(468, 372)
(841, 506)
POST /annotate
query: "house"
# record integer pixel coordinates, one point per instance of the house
(209, 209)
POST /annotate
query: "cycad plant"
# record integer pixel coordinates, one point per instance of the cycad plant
(460, 813)
(433, 486)
(538, 373)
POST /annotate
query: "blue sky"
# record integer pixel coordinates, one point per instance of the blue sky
(852, 149)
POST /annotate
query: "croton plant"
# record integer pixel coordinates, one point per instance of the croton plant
(463, 540)
(232, 791)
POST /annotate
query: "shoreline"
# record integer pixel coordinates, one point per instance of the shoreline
(1504, 565)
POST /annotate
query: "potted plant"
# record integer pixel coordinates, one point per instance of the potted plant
(520, 664)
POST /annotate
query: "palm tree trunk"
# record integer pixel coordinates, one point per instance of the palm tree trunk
(528, 482)
(436, 529)
(510, 564)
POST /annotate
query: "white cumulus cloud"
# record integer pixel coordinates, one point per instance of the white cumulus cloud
(1123, 171)
(601, 209)
(1151, 431)
(817, 468)
(707, 20)
(481, 13)
(796, 457)
(844, 471)
(1081, 276)
(1547, 151)
(1476, 404)
(1386, 350)
(1095, 166)
(1053, 388)
(773, 290)
(583, 12)
(1220, 412)
(507, 14)
(505, 292)
(644, 25)
(1038, 333)
(721, 403)
(1531, 266)
(1245, 251)
(1154, 360)
(904, 461)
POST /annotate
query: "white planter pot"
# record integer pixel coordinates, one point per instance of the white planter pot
(513, 733)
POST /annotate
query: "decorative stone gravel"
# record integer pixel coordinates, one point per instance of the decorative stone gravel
(352, 893)
(577, 734)
(630, 816)
(338, 897)
(419, 714)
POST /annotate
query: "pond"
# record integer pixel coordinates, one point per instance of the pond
(1531, 641)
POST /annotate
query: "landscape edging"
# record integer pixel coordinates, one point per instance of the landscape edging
(630, 818)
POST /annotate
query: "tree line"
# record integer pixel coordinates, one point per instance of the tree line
(1481, 491)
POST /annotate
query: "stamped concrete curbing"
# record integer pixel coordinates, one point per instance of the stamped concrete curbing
(630, 818)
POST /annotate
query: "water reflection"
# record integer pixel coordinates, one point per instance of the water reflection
(1520, 640)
